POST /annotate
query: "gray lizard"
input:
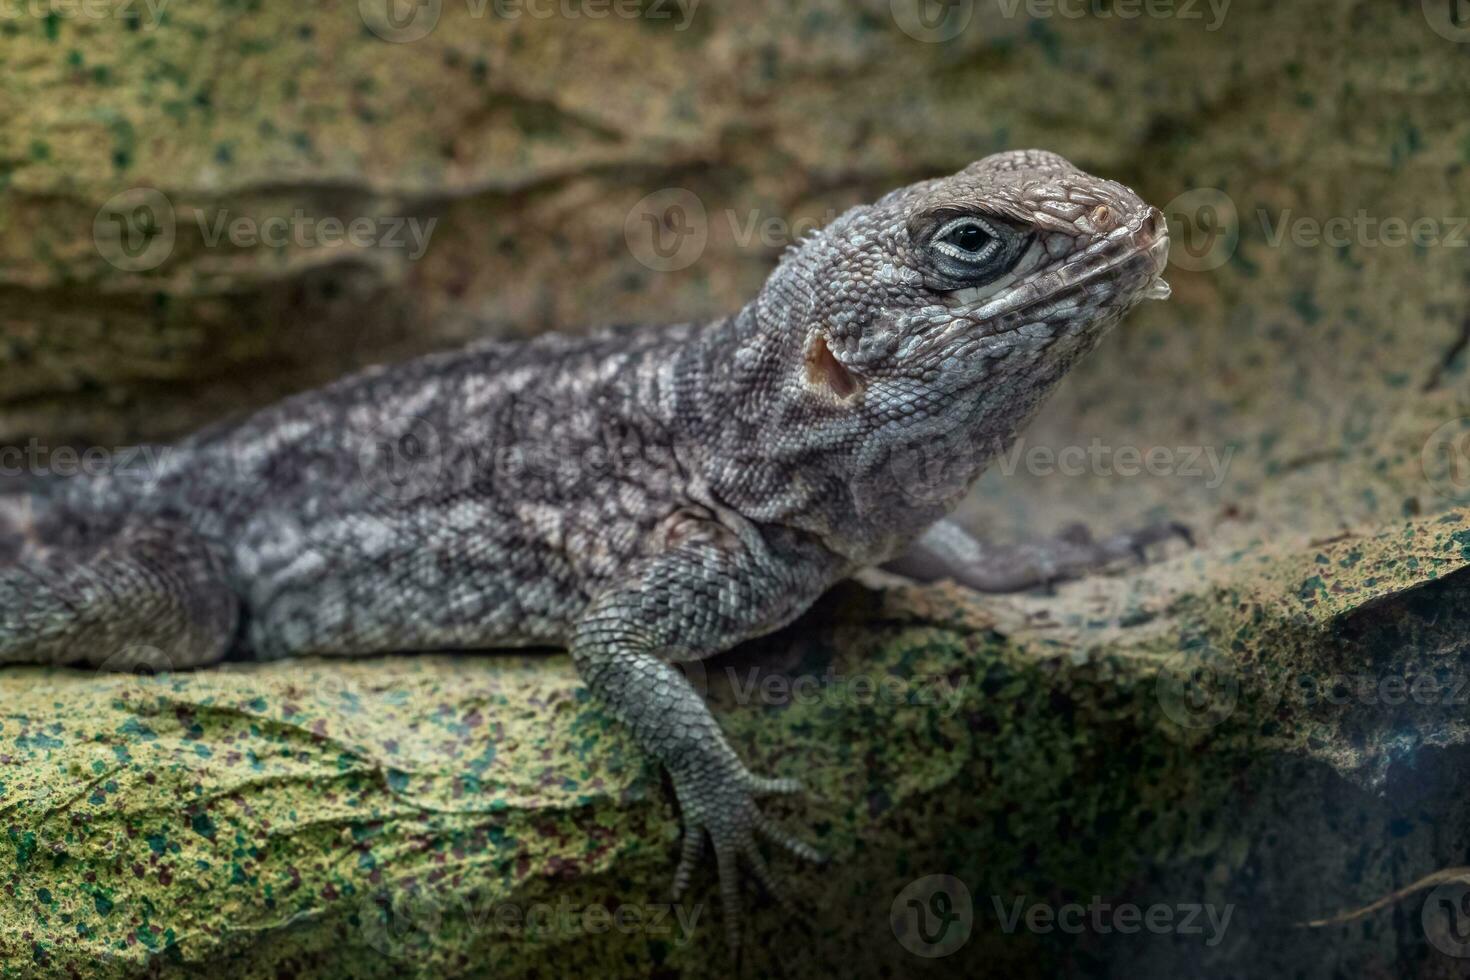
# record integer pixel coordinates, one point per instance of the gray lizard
(641, 497)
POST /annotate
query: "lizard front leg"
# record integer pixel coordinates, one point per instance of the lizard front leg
(701, 597)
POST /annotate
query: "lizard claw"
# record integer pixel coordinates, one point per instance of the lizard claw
(726, 811)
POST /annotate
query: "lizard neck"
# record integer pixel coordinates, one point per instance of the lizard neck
(769, 449)
(863, 481)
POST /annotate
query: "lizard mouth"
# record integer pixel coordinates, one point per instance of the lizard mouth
(1158, 288)
(1133, 257)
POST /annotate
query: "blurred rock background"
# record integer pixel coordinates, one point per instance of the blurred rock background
(170, 172)
(528, 132)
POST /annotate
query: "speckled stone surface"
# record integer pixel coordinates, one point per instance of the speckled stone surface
(1228, 727)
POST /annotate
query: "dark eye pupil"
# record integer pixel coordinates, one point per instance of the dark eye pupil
(971, 238)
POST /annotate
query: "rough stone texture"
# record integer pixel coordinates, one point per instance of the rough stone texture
(368, 819)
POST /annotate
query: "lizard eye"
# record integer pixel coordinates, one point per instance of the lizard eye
(967, 239)
(968, 250)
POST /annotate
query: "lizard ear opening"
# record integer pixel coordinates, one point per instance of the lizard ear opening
(825, 371)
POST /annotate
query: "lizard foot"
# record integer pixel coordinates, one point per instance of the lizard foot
(948, 551)
(1075, 552)
(1126, 544)
(721, 804)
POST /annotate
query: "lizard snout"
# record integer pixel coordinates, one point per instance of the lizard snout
(1153, 240)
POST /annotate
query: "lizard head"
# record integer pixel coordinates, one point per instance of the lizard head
(998, 276)
(954, 305)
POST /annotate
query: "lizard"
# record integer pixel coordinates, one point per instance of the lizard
(642, 497)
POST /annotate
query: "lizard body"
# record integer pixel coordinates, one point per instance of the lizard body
(640, 497)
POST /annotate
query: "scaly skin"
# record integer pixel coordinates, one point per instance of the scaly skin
(642, 497)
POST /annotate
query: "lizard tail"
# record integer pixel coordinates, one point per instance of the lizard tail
(147, 594)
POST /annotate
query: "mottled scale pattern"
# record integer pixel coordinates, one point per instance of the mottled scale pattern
(639, 495)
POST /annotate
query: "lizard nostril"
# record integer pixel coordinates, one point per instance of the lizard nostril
(1154, 224)
(1102, 217)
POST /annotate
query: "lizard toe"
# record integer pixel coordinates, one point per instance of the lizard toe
(729, 869)
(689, 857)
(761, 786)
(768, 880)
(787, 841)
